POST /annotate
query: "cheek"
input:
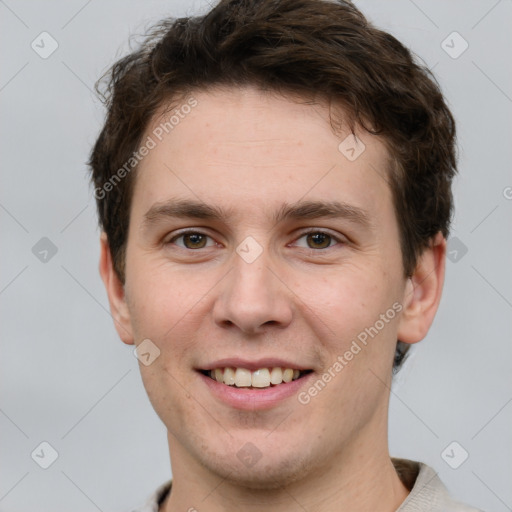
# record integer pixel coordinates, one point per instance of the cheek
(168, 308)
(345, 300)
(178, 408)
(158, 298)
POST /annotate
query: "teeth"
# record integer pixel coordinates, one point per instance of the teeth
(242, 378)
(276, 376)
(288, 375)
(229, 376)
(218, 375)
(261, 378)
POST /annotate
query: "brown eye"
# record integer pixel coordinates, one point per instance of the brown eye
(191, 240)
(318, 240)
(195, 240)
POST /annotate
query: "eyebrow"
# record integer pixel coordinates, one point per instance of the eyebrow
(187, 208)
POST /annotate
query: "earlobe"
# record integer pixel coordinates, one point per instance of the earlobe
(422, 292)
(116, 293)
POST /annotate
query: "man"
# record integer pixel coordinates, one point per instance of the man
(273, 185)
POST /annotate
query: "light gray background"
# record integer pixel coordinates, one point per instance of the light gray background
(68, 380)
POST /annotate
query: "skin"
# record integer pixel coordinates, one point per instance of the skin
(251, 151)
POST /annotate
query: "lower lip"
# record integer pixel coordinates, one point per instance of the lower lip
(250, 399)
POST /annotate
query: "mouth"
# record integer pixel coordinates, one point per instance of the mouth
(262, 378)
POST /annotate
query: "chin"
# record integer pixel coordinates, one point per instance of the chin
(280, 471)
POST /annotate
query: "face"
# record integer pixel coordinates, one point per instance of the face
(257, 243)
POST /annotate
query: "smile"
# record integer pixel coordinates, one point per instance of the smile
(260, 378)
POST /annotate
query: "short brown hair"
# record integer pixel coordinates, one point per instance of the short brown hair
(315, 48)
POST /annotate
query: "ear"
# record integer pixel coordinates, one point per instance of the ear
(422, 293)
(115, 292)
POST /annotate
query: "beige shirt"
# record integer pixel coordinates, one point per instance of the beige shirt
(427, 492)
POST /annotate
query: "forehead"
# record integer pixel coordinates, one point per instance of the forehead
(242, 148)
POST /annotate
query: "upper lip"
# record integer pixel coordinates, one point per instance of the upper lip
(267, 362)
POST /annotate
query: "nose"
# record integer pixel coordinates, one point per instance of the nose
(253, 297)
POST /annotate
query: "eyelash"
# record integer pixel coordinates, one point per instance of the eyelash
(303, 234)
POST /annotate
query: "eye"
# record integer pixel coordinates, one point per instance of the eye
(318, 240)
(191, 240)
